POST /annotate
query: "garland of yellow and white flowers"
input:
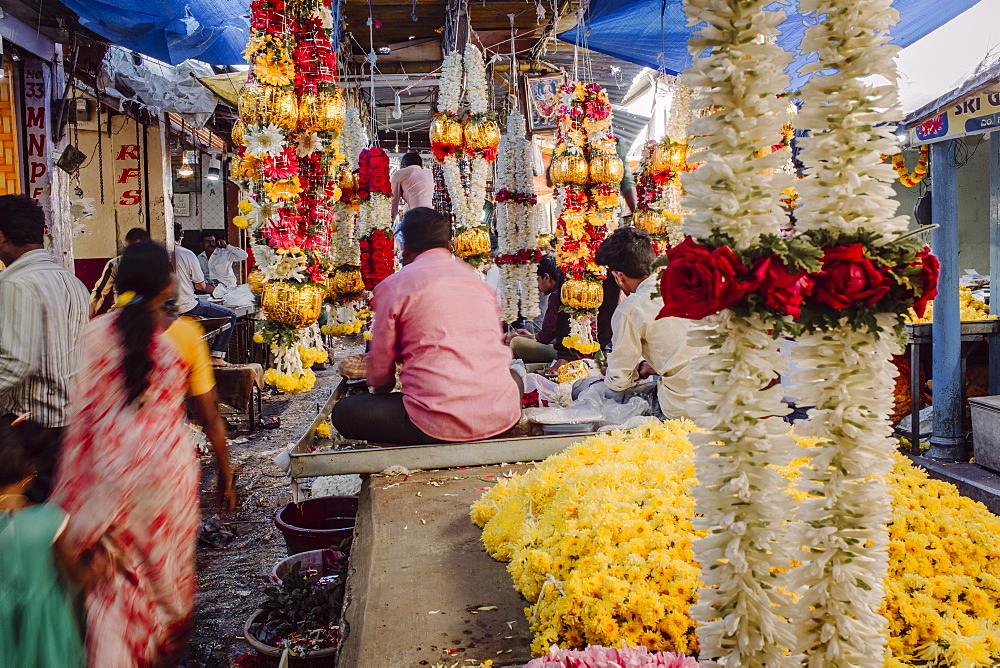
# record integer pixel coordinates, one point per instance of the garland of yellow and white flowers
(906, 177)
(741, 498)
(517, 225)
(588, 203)
(843, 370)
(349, 312)
(466, 183)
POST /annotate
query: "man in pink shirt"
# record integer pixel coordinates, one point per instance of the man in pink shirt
(412, 183)
(438, 319)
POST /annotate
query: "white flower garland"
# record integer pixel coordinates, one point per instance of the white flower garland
(450, 93)
(847, 375)
(475, 81)
(375, 213)
(354, 138)
(517, 227)
(741, 500)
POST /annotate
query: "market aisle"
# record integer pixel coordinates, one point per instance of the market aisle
(231, 579)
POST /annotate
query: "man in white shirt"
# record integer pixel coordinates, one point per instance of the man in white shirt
(189, 277)
(217, 258)
(43, 312)
(642, 345)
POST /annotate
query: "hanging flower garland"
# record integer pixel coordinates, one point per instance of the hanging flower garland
(466, 152)
(346, 288)
(290, 117)
(658, 185)
(587, 173)
(872, 270)
(378, 259)
(732, 205)
(517, 226)
(906, 177)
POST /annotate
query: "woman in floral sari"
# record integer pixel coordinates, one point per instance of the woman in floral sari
(127, 475)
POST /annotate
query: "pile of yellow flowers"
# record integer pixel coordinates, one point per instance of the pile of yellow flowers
(599, 541)
(344, 329)
(599, 538)
(324, 429)
(293, 384)
(312, 356)
(969, 307)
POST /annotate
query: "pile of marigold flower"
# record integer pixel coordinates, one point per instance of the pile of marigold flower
(598, 540)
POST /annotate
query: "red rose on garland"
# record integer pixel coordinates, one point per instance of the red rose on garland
(848, 277)
(698, 282)
(930, 269)
(782, 290)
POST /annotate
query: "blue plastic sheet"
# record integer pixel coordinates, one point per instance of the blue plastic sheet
(213, 31)
(654, 33)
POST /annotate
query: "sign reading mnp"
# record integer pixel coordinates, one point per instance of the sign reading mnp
(971, 115)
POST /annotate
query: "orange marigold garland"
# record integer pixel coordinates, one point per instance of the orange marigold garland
(906, 177)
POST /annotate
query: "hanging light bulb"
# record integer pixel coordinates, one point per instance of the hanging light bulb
(185, 170)
(397, 110)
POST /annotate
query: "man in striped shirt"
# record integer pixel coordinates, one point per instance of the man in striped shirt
(43, 310)
(107, 282)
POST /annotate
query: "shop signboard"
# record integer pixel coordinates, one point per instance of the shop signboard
(38, 156)
(971, 115)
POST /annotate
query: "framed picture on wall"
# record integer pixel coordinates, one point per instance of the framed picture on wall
(543, 102)
(182, 204)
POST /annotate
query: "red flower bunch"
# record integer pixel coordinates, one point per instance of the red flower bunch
(782, 290)
(315, 60)
(930, 270)
(268, 16)
(377, 258)
(285, 165)
(698, 281)
(848, 277)
(523, 256)
(442, 151)
(504, 195)
(530, 399)
(488, 152)
(373, 172)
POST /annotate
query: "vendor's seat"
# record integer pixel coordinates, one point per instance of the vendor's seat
(240, 386)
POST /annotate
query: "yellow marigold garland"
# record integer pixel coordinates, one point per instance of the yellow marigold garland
(906, 177)
(598, 539)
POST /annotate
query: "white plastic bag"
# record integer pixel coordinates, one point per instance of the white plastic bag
(238, 296)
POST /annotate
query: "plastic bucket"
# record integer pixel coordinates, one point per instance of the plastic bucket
(317, 524)
(322, 561)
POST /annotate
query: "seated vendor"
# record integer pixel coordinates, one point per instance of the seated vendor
(440, 321)
(642, 345)
(539, 346)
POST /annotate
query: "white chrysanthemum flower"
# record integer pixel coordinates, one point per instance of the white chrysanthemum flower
(286, 268)
(268, 140)
(309, 143)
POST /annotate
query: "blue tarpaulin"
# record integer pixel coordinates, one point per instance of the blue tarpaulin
(654, 33)
(213, 31)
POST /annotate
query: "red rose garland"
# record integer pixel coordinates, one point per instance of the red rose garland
(378, 258)
(851, 279)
